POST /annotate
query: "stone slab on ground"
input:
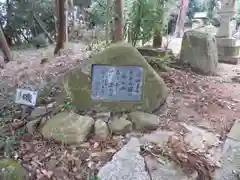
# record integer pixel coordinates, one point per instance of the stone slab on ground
(200, 139)
(230, 161)
(234, 132)
(127, 164)
(167, 171)
(78, 84)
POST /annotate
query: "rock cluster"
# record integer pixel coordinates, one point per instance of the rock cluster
(74, 128)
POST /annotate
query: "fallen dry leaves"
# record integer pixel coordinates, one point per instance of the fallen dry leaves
(196, 99)
(47, 160)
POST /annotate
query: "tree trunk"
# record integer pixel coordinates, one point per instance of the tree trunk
(74, 18)
(56, 15)
(118, 33)
(8, 28)
(157, 40)
(181, 18)
(66, 21)
(61, 26)
(159, 27)
(5, 48)
(107, 23)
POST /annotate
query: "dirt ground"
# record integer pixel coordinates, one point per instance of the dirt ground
(36, 68)
(212, 103)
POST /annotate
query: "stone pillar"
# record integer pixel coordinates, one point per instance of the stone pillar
(226, 13)
(228, 47)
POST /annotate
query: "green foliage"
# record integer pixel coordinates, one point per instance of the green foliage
(147, 16)
(67, 105)
(20, 132)
(140, 25)
(11, 170)
(98, 11)
(93, 178)
(17, 18)
(7, 142)
(160, 62)
(62, 138)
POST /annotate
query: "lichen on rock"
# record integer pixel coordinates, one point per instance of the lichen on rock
(78, 83)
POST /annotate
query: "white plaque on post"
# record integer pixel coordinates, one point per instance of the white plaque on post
(26, 97)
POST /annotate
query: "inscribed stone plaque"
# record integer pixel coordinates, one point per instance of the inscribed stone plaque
(79, 84)
(116, 83)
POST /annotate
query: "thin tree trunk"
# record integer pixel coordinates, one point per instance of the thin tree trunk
(158, 30)
(8, 28)
(44, 30)
(118, 33)
(5, 48)
(66, 21)
(74, 17)
(157, 39)
(181, 18)
(56, 18)
(108, 5)
(61, 26)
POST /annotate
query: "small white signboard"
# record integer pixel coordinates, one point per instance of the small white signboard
(26, 97)
(200, 15)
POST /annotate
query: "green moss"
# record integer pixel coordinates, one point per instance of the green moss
(11, 170)
(119, 54)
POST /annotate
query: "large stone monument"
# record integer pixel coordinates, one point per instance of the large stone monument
(228, 46)
(120, 80)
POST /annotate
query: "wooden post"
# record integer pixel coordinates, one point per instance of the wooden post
(118, 33)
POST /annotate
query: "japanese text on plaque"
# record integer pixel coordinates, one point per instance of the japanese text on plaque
(113, 83)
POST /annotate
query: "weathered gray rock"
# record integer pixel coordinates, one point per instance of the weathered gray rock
(68, 127)
(200, 50)
(230, 161)
(127, 164)
(37, 112)
(159, 137)
(101, 130)
(40, 41)
(11, 170)
(167, 170)
(105, 116)
(154, 92)
(120, 125)
(234, 133)
(200, 139)
(32, 125)
(144, 121)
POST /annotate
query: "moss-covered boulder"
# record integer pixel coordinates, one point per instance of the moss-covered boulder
(154, 91)
(11, 170)
(199, 49)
